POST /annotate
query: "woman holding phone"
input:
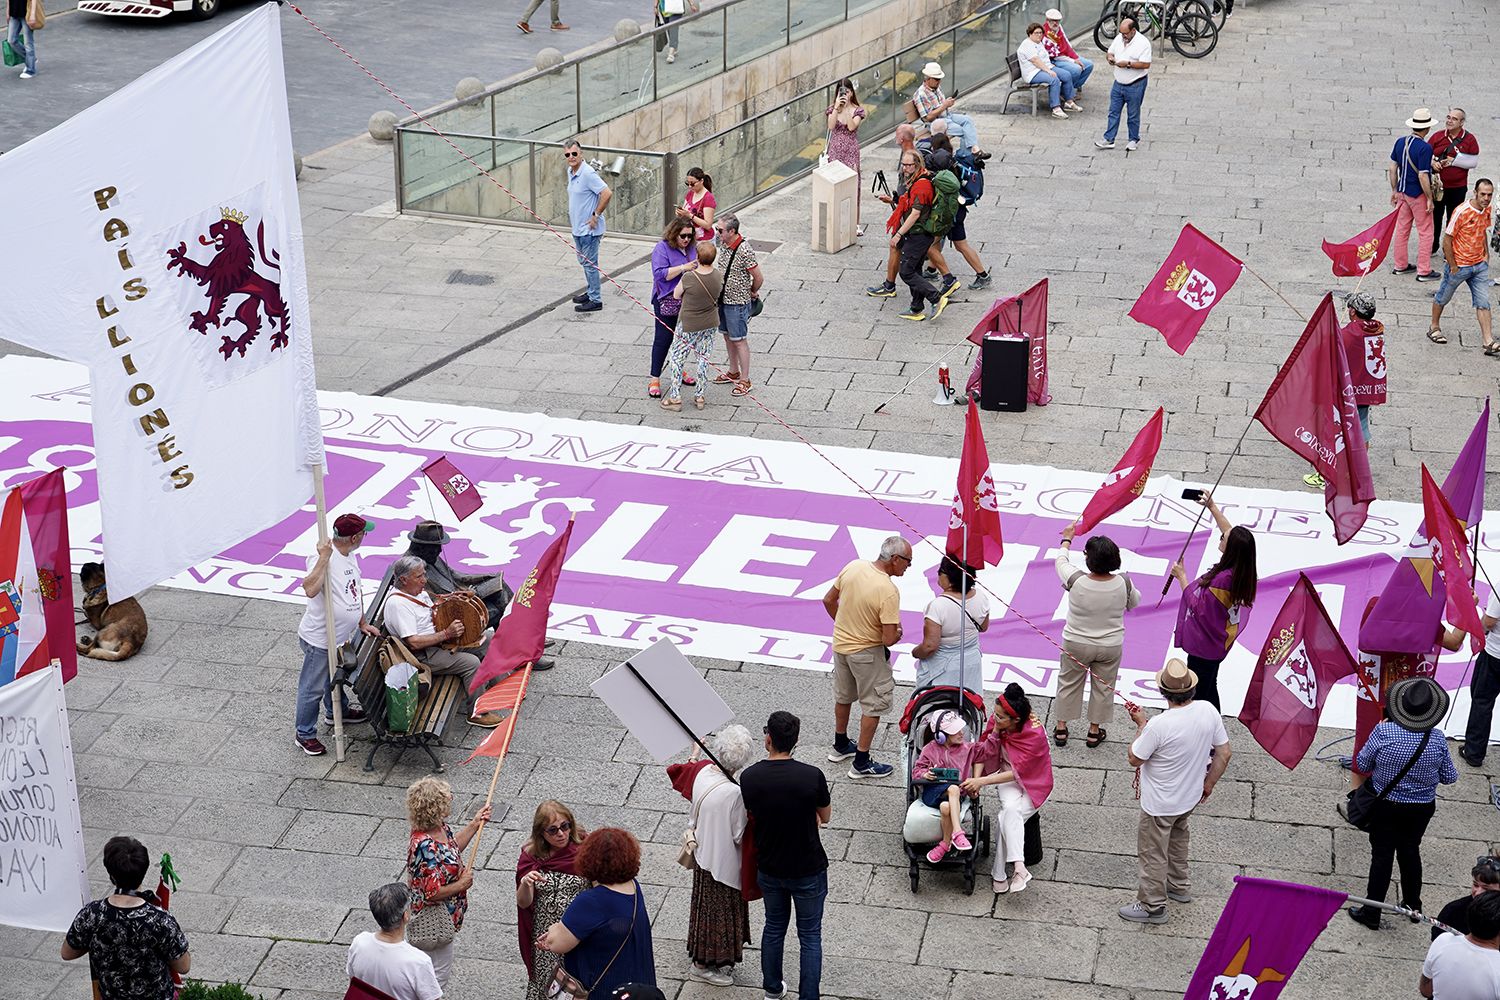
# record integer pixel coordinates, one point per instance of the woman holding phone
(844, 117)
(1213, 606)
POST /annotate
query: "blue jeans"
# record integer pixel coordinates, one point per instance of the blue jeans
(588, 256)
(1477, 276)
(968, 135)
(17, 30)
(809, 895)
(1129, 97)
(312, 689)
(1079, 69)
(1059, 81)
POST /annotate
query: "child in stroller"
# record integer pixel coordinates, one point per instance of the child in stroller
(943, 825)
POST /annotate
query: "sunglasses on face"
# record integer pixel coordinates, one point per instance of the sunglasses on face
(556, 828)
(572, 156)
(1489, 862)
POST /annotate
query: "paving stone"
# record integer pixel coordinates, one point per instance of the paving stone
(295, 919)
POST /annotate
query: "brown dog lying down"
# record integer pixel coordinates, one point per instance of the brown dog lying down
(121, 627)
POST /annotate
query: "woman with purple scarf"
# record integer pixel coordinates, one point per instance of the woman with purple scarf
(1214, 606)
(671, 258)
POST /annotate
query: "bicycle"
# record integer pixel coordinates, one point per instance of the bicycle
(1188, 24)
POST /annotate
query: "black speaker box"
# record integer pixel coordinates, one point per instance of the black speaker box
(1002, 373)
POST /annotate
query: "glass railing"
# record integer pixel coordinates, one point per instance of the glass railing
(518, 140)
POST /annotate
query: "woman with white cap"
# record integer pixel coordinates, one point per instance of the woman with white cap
(1065, 59)
(1407, 758)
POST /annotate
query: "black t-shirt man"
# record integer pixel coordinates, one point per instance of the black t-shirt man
(784, 796)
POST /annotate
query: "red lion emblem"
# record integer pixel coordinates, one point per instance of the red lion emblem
(232, 272)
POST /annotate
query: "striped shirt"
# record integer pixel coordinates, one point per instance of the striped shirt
(1466, 227)
(1388, 749)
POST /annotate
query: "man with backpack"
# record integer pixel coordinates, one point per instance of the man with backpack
(970, 190)
(923, 214)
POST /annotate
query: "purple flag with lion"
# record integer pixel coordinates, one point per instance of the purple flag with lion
(1264, 931)
(1407, 615)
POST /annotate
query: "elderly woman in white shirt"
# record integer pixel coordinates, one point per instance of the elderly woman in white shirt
(1093, 634)
(945, 632)
(718, 915)
(1036, 67)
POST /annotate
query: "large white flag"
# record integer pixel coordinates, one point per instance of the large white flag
(156, 238)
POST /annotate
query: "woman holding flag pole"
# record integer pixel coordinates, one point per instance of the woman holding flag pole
(1214, 605)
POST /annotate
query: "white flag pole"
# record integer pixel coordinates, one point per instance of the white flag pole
(331, 635)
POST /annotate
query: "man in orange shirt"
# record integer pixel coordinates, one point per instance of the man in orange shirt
(1466, 260)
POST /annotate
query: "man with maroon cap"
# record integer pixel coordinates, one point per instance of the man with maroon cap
(334, 566)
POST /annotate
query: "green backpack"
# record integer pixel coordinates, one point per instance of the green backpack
(944, 204)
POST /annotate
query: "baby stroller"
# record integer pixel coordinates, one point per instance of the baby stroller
(923, 827)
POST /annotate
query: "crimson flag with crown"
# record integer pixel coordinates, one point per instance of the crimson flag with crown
(1195, 277)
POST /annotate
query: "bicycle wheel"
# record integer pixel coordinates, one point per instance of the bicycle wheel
(1108, 25)
(1193, 32)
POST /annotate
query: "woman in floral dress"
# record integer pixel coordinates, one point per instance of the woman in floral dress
(547, 880)
(844, 118)
(435, 870)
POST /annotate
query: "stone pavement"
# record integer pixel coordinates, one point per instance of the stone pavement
(1275, 141)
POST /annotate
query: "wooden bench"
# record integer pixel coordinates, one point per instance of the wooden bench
(1013, 63)
(434, 711)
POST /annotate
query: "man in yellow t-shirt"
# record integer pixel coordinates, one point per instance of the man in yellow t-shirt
(866, 612)
(1466, 260)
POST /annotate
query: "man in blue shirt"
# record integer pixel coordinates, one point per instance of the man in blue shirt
(587, 197)
(1410, 176)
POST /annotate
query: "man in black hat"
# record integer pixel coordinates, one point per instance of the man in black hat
(426, 543)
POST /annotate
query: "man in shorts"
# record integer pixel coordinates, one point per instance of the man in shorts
(1466, 260)
(866, 611)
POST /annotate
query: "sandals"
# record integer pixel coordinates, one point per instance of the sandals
(698, 403)
(1060, 736)
(655, 389)
(741, 388)
(1492, 349)
(671, 404)
(1094, 739)
(726, 378)
(1436, 336)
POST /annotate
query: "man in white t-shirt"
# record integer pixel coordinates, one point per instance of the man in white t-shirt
(335, 567)
(1466, 967)
(1483, 688)
(408, 616)
(1130, 55)
(383, 959)
(1181, 754)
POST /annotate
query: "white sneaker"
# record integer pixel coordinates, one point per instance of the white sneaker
(1059, 113)
(1132, 146)
(671, 55)
(27, 74)
(711, 975)
(1104, 144)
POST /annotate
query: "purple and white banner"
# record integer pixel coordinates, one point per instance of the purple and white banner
(726, 545)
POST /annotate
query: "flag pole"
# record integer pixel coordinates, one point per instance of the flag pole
(963, 612)
(919, 374)
(330, 638)
(1167, 584)
(510, 728)
(677, 718)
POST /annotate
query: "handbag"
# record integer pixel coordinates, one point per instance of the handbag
(12, 57)
(661, 36)
(1360, 811)
(672, 8)
(566, 985)
(36, 17)
(687, 856)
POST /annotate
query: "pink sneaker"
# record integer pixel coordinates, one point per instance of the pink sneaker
(961, 841)
(937, 853)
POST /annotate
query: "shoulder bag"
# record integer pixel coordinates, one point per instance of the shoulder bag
(687, 857)
(36, 17)
(1360, 811)
(567, 987)
(431, 927)
(966, 610)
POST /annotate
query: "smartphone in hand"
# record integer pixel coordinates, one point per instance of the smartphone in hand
(1192, 494)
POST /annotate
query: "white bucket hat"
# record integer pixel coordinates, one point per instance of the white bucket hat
(932, 71)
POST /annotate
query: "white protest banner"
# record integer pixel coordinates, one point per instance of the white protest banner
(662, 674)
(43, 880)
(159, 242)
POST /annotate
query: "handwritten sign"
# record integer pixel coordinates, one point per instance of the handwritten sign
(43, 880)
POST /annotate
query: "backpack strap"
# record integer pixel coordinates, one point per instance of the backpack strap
(1421, 746)
(1074, 578)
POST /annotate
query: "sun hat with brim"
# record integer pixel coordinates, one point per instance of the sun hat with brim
(932, 71)
(1176, 677)
(1053, 14)
(1420, 119)
(1416, 703)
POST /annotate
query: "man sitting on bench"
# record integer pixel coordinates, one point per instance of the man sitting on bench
(408, 616)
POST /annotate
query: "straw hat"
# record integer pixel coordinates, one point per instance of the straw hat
(1176, 678)
(1416, 703)
(932, 71)
(1420, 119)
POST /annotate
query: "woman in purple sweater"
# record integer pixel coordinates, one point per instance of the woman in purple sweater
(1214, 606)
(671, 258)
